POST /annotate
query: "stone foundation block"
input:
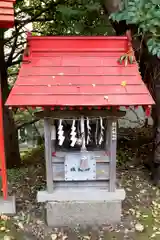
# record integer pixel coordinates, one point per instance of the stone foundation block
(8, 206)
(71, 214)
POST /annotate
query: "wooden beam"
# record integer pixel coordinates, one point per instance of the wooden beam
(77, 114)
(112, 5)
(7, 11)
(4, 4)
(113, 157)
(48, 156)
(108, 135)
(2, 151)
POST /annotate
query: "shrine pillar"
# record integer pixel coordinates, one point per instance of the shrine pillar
(7, 203)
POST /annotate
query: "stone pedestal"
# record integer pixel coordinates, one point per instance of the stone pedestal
(87, 207)
(8, 206)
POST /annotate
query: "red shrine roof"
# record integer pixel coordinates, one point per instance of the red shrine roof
(6, 13)
(78, 71)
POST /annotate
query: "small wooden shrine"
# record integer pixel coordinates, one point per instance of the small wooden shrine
(77, 86)
(7, 203)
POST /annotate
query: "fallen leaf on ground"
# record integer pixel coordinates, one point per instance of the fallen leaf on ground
(7, 238)
(2, 228)
(54, 236)
(86, 237)
(65, 237)
(4, 217)
(139, 227)
(20, 225)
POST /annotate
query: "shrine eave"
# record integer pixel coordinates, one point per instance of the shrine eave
(78, 72)
(7, 13)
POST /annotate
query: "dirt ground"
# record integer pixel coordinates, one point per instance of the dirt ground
(141, 209)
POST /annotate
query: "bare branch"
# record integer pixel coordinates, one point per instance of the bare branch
(20, 125)
(15, 57)
(18, 33)
(15, 63)
(9, 61)
(35, 20)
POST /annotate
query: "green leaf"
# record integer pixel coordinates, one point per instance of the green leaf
(119, 17)
(131, 59)
(156, 2)
(154, 51)
(150, 48)
(131, 14)
(133, 9)
(150, 42)
(93, 7)
(158, 54)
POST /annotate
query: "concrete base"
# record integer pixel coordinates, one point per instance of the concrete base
(86, 207)
(8, 206)
(82, 213)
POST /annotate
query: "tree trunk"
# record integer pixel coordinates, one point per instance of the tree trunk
(112, 5)
(153, 75)
(150, 70)
(10, 132)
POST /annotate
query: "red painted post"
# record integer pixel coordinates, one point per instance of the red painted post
(8, 6)
(2, 152)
